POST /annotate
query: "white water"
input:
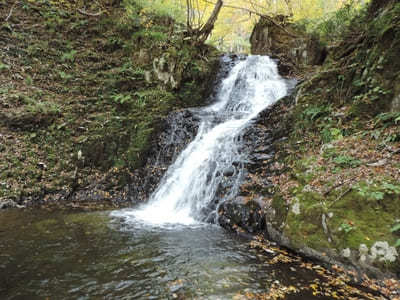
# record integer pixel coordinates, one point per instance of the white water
(192, 181)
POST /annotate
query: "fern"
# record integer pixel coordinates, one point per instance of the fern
(395, 228)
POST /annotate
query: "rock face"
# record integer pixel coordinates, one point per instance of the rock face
(73, 138)
(164, 71)
(177, 130)
(278, 38)
(252, 210)
(259, 208)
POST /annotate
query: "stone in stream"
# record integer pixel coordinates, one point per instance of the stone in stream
(242, 213)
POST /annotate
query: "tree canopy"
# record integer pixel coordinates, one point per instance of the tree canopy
(234, 19)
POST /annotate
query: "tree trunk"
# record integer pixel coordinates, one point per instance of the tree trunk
(289, 6)
(206, 30)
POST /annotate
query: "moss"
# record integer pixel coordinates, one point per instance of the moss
(372, 221)
(281, 210)
(305, 228)
(88, 94)
(367, 222)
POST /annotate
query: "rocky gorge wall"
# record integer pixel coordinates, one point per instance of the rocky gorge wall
(324, 173)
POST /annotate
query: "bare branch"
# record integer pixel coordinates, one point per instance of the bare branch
(256, 13)
(83, 12)
(188, 8)
(11, 11)
(206, 30)
(237, 7)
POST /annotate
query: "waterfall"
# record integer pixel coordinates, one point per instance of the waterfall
(191, 183)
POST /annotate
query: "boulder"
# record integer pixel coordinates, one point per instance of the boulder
(281, 39)
(242, 213)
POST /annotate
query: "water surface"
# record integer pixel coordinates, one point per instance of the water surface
(61, 255)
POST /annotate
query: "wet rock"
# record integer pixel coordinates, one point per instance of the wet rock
(174, 134)
(229, 172)
(241, 213)
(262, 156)
(250, 210)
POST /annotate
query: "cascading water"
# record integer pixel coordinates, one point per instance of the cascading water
(191, 183)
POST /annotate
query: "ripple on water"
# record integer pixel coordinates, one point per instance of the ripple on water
(114, 259)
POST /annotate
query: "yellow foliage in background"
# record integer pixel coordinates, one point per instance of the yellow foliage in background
(234, 26)
(238, 17)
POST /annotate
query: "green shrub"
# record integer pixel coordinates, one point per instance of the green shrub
(395, 228)
(159, 8)
(44, 107)
(388, 119)
(4, 66)
(345, 161)
(329, 134)
(121, 98)
(69, 56)
(64, 76)
(314, 112)
(377, 190)
(157, 36)
(335, 24)
(346, 227)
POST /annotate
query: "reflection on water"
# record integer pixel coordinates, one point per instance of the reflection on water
(61, 255)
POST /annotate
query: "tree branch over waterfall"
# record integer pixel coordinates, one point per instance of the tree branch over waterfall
(209, 26)
(194, 26)
(253, 11)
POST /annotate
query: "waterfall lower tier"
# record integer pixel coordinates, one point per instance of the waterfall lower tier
(191, 188)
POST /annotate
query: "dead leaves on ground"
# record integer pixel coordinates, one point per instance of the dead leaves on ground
(336, 283)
